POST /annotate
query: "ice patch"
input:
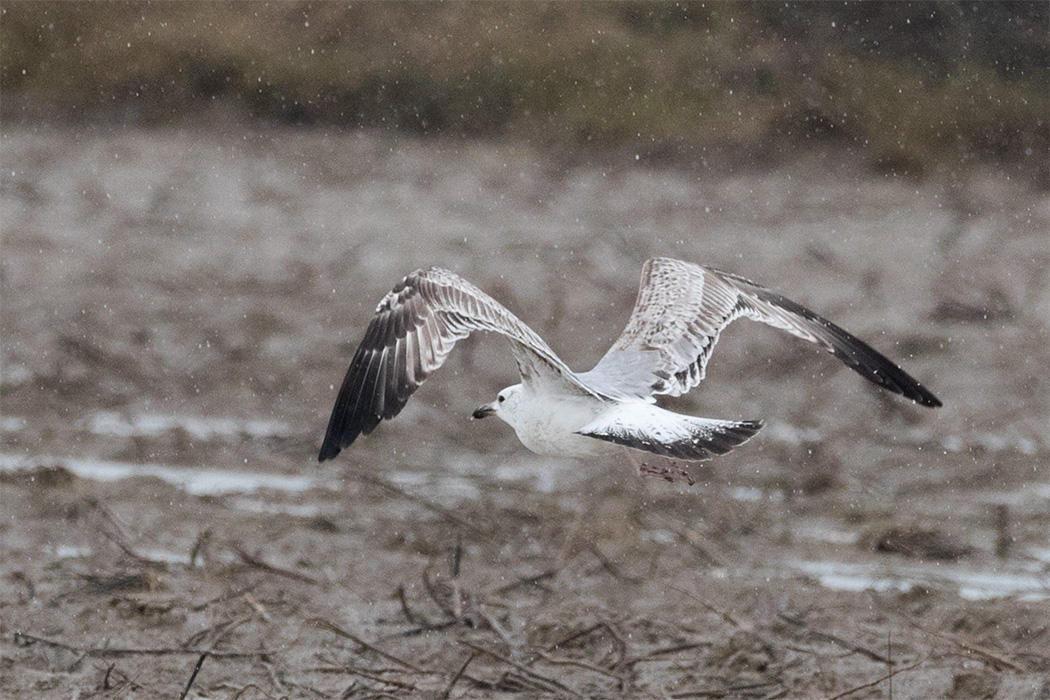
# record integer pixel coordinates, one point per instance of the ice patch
(13, 375)
(12, 424)
(1025, 582)
(199, 482)
(254, 505)
(199, 427)
(751, 494)
(66, 551)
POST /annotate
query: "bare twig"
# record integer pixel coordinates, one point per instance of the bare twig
(243, 690)
(216, 632)
(110, 528)
(455, 560)
(889, 658)
(700, 545)
(580, 663)
(430, 627)
(105, 678)
(130, 582)
(609, 565)
(1003, 539)
(193, 676)
(989, 655)
(834, 639)
(199, 544)
(459, 674)
(332, 627)
(621, 646)
(275, 680)
(875, 682)
(376, 677)
(523, 669)
(746, 628)
(528, 581)
(229, 595)
(410, 615)
(260, 564)
(648, 656)
(429, 505)
(111, 652)
(496, 627)
(727, 691)
(432, 591)
(257, 606)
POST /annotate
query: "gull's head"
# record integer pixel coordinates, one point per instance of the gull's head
(504, 406)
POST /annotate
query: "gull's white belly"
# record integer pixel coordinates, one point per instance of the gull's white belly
(548, 426)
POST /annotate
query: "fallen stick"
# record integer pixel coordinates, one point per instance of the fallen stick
(621, 646)
(828, 637)
(528, 581)
(459, 674)
(429, 505)
(988, 654)
(725, 615)
(260, 564)
(723, 692)
(110, 652)
(229, 595)
(875, 682)
(193, 676)
(648, 656)
(523, 669)
(580, 663)
(332, 627)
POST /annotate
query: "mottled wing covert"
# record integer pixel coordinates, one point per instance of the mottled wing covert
(681, 310)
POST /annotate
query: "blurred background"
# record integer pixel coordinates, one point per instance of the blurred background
(904, 87)
(201, 203)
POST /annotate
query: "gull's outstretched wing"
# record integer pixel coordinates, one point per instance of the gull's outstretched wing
(680, 312)
(414, 329)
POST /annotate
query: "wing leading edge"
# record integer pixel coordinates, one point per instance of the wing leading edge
(414, 329)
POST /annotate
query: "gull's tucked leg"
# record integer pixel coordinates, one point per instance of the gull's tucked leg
(668, 470)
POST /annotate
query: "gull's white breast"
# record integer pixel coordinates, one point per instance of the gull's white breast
(547, 425)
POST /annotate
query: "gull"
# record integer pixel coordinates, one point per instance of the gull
(678, 316)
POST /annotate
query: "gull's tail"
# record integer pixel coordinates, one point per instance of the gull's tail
(649, 428)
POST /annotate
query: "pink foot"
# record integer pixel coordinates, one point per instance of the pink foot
(669, 472)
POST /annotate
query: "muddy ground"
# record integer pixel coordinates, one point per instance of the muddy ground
(180, 306)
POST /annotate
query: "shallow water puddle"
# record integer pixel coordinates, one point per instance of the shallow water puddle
(67, 551)
(1025, 581)
(12, 424)
(753, 494)
(199, 482)
(199, 427)
(258, 505)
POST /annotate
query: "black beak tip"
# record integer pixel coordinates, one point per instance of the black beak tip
(482, 412)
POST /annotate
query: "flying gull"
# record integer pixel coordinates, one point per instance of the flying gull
(680, 311)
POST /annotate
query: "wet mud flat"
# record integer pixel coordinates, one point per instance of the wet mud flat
(179, 307)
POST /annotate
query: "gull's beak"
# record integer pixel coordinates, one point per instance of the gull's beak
(484, 411)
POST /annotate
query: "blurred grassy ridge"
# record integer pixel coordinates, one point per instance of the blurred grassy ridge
(904, 84)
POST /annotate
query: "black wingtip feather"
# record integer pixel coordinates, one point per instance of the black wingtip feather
(348, 420)
(859, 356)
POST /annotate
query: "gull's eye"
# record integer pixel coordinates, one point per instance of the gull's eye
(501, 398)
